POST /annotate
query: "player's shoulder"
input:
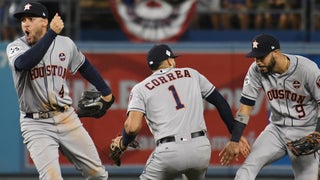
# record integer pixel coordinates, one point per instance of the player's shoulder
(64, 39)
(302, 61)
(253, 68)
(18, 41)
(16, 46)
(189, 69)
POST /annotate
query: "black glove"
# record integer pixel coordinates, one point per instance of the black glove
(116, 151)
(306, 145)
(92, 105)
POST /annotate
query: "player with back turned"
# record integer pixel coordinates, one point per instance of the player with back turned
(292, 87)
(39, 61)
(171, 101)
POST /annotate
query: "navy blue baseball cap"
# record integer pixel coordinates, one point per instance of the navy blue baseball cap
(157, 54)
(32, 9)
(262, 45)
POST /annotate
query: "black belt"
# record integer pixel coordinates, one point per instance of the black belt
(45, 115)
(172, 138)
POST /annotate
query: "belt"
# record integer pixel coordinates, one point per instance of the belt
(46, 115)
(172, 138)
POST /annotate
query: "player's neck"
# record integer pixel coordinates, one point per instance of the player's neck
(284, 64)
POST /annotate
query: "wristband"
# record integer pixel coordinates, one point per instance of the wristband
(318, 125)
(237, 131)
(242, 118)
(127, 138)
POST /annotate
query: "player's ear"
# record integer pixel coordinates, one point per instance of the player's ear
(45, 22)
(170, 61)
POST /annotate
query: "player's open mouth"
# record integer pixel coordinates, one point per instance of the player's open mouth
(27, 34)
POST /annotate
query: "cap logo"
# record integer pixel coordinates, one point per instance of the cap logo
(168, 53)
(255, 44)
(27, 7)
(272, 47)
(43, 14)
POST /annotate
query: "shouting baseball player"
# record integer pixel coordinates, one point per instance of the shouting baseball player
(171, 101)
(292, 87)
(39, 61)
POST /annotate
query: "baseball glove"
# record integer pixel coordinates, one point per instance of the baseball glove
(92, 105)
(116, 151)
(306, 145)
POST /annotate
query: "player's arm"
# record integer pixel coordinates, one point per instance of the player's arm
(33, 56)
(232, 149)
(234, 127)
(132, 127)
(91, 74)
(223, 108)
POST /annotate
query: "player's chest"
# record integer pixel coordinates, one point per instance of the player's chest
(56, 56)
(292, 84)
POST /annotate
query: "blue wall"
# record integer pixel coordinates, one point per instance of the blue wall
(11, 149)
(209, 35)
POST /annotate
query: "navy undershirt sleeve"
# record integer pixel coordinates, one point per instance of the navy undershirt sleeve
(33, 56)
(90, 73)
(247, 101)
(223, 108)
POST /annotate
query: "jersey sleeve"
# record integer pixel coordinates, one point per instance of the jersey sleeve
(251, 84)
(14, 50)
(206, 86)
(76, 59)
(136, 100)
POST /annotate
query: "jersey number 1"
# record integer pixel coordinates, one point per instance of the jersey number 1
(176, 97)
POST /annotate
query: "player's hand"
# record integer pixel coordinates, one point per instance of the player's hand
(56, 24)
(230, 151)
(233, 149)
(107, 98)
(244, 146)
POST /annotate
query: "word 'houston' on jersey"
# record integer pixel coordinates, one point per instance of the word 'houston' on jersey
(281, 94)
(167, 78)
(51, 70)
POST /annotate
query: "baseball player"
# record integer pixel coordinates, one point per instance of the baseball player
(171, 101)
(39, 61)
(292, 87)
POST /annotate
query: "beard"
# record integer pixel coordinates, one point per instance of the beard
(269, 68)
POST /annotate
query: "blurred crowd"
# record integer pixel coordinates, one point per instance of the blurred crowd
(249, 14)
(8, 24)
(210, 14)
(10, 27)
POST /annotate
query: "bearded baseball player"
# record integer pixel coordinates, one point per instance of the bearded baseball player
(171, 101)
(39, 61)
(292, 87)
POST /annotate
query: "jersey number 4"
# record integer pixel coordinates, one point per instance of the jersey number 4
(176, 97)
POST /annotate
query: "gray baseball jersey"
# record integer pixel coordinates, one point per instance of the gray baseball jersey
(172, 101)
(294, 97)
(44, 87)
(43, 90)
(166, 99)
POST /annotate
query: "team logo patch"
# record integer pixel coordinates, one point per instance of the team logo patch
(62, 57)
(296, 84)
(246, 81)
(318, 82)
(13, 50)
